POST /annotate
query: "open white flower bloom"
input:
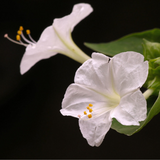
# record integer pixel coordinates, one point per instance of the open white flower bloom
(107, 88)
(57, 39)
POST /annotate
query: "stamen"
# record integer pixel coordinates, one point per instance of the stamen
(28, 32)
(89, 116)
(90, 110)
(6, 36)
(18, 38)
(26, 39)
(85, 112)
(19, 32)
(21, 28)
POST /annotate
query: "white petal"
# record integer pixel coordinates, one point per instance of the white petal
(77, 98)
(129, 71)
(57, 39)
(95, 74)
(64, 26)
(131, 110)
(48, 45)
(95, 129)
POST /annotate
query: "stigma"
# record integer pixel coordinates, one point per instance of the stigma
(20, 36)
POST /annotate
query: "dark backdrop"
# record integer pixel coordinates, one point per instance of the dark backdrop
(31, 125)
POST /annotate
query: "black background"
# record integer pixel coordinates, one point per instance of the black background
(31, 125)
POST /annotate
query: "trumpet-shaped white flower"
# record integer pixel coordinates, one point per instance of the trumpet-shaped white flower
(107, 88)
(55, 39)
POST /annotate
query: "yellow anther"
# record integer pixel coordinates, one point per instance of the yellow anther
(89, 116)
(28, 31)
(85, 112)
(21, 28)
(90, 110)
(90, 105)
(19, 32)
(18, 37)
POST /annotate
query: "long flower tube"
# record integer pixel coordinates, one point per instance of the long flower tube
(54, 39)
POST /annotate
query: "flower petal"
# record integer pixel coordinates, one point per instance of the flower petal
(48, 45)
(77, 98)
(57, 39)
(64, 26)
(131, 110)
(95, 74)
(95, 129)
(129, 71)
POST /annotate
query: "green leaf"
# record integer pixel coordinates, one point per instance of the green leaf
(153, 79)
(131, 42)
(151, 50)
(153, 108)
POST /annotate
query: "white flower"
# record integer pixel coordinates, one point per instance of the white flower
(109, 88)
(54, 39)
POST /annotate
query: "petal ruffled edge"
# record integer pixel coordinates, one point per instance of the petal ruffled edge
(129, 71)
(65, 25)
(95, 74)
(94, 130)
(131, 110)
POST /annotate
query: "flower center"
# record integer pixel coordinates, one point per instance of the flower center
(111, 102)
(89, 111)
(19, 35)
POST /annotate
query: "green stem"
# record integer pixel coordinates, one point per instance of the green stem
(147, 93)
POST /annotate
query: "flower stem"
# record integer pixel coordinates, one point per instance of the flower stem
(147, 93)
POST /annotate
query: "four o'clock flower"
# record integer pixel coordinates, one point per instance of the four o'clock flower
(55, 39)
(107, 88)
